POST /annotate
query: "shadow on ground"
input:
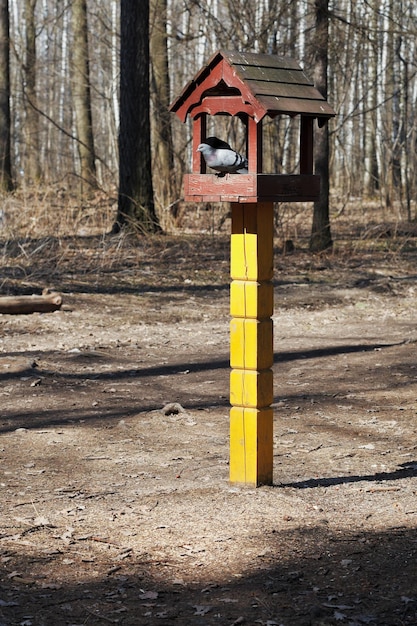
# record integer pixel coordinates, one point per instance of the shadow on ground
(330, 579)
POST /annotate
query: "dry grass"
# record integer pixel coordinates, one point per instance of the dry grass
(34, 213)
(51, 238)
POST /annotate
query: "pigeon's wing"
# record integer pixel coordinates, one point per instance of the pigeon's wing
(230, 161)
(216, 143)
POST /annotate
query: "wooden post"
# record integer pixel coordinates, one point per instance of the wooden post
(254, 145)
(251, 344)
(199, 134)
(306, 145)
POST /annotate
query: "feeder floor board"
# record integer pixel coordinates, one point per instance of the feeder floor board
(251, 188)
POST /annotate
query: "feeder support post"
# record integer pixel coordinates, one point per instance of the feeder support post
(251, 344)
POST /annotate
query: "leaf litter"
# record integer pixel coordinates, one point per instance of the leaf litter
(134, 454)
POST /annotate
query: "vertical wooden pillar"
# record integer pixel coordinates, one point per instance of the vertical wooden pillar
(254, 145)
(306, 145)
(251, 344)
(199, 134)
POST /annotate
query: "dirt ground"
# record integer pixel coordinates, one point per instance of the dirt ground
(116, 507)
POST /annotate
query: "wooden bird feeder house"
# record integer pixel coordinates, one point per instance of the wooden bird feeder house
(251, 87)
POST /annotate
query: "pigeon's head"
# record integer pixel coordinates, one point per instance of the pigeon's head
(204, 148)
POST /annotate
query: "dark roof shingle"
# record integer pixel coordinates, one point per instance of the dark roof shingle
(273, 85)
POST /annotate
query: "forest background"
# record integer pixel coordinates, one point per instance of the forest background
(65, 98)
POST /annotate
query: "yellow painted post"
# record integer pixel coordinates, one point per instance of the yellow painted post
(251, 344)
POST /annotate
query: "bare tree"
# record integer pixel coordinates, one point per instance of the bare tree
(161, 118)
(81, 93)
(32, 166)
(5, 160)
(321, 238)
(370, 180)
(136, 203)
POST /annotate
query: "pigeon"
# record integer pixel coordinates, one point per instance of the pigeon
(221, 157)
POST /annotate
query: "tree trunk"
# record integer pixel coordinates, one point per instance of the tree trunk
(321, 238)
(370, 181)
(161, 118)
(5, 159)
(136, 205)
(32, 168)
(18, 305)
(81, 93)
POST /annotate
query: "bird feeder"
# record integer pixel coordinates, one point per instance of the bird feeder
(252, 86)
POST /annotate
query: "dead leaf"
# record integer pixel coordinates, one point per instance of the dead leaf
(41, 521)
(365, 619)
(125, 554)
(202, 609)
(407, 600)
(148, 595)
(67, 535)
(6, 604)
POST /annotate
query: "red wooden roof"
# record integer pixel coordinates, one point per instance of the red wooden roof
(256, 84)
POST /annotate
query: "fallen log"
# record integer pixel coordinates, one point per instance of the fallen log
(18, 305)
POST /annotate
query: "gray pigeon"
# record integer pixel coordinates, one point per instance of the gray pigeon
(221, 157)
